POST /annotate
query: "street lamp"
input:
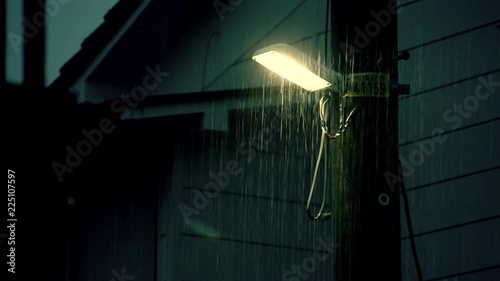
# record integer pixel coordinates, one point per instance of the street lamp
(293, 65)
(300, 69)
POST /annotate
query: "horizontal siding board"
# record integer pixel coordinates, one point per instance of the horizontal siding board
(419, 116)
(452, 203)
(256, 220)
(454, 251)
(463, 152)
(429, 20)
(454, 59)
(204, 259)
(267, 174)
(486, 274)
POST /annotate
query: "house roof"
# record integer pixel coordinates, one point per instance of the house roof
(144, 42)
(92, 46)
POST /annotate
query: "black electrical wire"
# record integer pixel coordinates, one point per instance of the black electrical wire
(326, 31)
(410, 231)
(209, 44)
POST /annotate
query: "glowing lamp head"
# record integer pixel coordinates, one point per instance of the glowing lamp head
(289, 63)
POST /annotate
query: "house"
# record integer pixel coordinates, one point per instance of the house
(156, 154)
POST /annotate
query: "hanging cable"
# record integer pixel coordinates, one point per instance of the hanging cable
(325, 133)
(323, 115)
(313, 184)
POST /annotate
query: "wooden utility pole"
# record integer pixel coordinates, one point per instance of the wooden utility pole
(366, 210)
